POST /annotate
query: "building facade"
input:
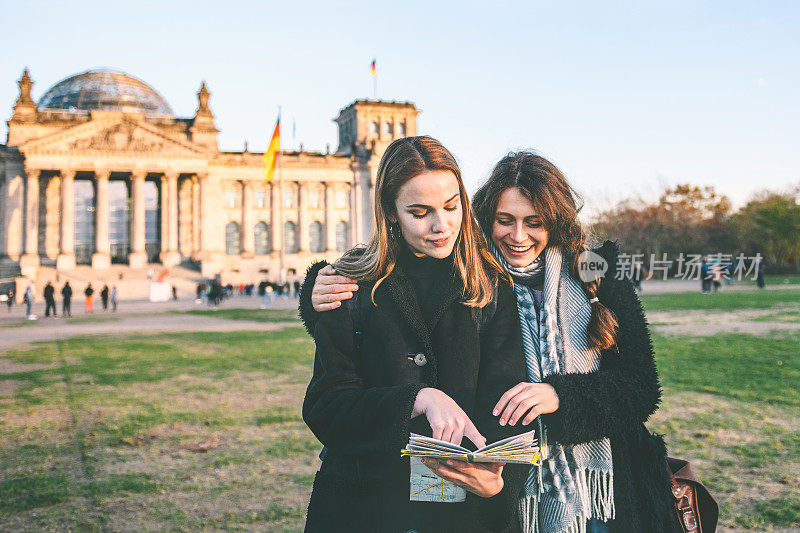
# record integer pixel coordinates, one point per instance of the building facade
(100, 171)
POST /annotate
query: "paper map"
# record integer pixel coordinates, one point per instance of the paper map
(428, 487)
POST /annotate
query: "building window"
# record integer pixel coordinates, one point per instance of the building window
(232, 239)
(374, 127)
(402, 129)
(314, 199)
(230, 199)
(342, 243)
(317, 242)
(388, 128)
(84, 220)
(263, 239)
(341, 199)
(288, 199)
(119, 222)
(261, 199)
(289, 238)
(152, 222)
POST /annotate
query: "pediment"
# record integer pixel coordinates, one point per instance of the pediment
(113, 136)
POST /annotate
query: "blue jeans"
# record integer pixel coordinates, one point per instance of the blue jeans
(593, 525)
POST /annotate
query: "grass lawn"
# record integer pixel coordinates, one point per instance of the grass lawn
(724, 300)
(198, 431)
(256, 315)
(178, 432)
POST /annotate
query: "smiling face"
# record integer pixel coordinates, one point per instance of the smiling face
(517, 230)
(429, 213)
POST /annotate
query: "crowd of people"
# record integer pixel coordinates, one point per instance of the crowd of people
(213, 292)
(109, 297)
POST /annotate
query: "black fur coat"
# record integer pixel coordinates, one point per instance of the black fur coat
(613, 402)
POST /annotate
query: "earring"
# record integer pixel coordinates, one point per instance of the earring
(394, 230)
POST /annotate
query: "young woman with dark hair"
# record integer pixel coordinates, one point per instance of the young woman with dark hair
(429, 344)
(591, 377)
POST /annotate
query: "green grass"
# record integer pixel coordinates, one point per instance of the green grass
(724, 300)
(788, 279)
(202, 431)
(184, 427)
(256, 315)
(743, 367)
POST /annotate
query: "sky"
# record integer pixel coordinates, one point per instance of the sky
(626, 97)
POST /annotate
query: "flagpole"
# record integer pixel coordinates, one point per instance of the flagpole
(279, 162)
(375, 83)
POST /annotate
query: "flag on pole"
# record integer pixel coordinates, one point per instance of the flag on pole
(271, 155)
(372, 68)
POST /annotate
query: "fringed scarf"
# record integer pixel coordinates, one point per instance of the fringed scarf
(575, 482)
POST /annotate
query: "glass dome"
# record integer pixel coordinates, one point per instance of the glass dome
(105, 89)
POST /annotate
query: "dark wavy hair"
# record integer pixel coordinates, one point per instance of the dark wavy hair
(556, 204)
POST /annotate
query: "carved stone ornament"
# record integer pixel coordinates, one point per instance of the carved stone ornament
(25, 84)
(121, 137)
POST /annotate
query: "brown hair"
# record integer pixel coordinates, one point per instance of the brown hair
(404, 159)
(554, 201)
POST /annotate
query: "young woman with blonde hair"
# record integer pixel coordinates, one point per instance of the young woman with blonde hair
(431, 331)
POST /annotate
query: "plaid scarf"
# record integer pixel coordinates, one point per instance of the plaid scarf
(575, 482)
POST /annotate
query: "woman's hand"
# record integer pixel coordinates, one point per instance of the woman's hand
(534, 398)
(483, 479)
(330, 289)
(448, 421)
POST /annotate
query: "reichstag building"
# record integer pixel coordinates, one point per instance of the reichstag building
(99, 170)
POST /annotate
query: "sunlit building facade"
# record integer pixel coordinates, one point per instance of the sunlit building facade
(101, 171)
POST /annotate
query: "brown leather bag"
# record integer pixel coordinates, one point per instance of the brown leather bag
(697, 511)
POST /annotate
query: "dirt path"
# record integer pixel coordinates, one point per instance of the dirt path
(707, 323)
(121, 324)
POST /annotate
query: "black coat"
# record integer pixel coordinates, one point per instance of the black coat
(359, 406)
(614, 402)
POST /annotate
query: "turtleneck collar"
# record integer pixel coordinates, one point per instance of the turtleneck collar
(422, 266)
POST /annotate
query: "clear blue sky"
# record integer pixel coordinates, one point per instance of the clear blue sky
(626, 97)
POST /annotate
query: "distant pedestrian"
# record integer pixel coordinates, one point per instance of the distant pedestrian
(49, 299)
(28, 298)
(716, 275)
(88, 304)
(174, 293)
(104, 297)
(705, 277)
(66, 294)
(114, 296)
(760, 281)
(10, 300)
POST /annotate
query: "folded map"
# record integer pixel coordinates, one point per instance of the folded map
(521, 449)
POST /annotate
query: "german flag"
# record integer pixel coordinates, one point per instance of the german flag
(372, 68)
(271, 155)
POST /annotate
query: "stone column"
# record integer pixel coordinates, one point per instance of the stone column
(29, 262)
(170, 256)
(303, 220)
(138, 257)
(195, 217)
(248, 229)
(357, 220)
(330, 218)
(101, 258)
(163, 216)
(275, 217)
